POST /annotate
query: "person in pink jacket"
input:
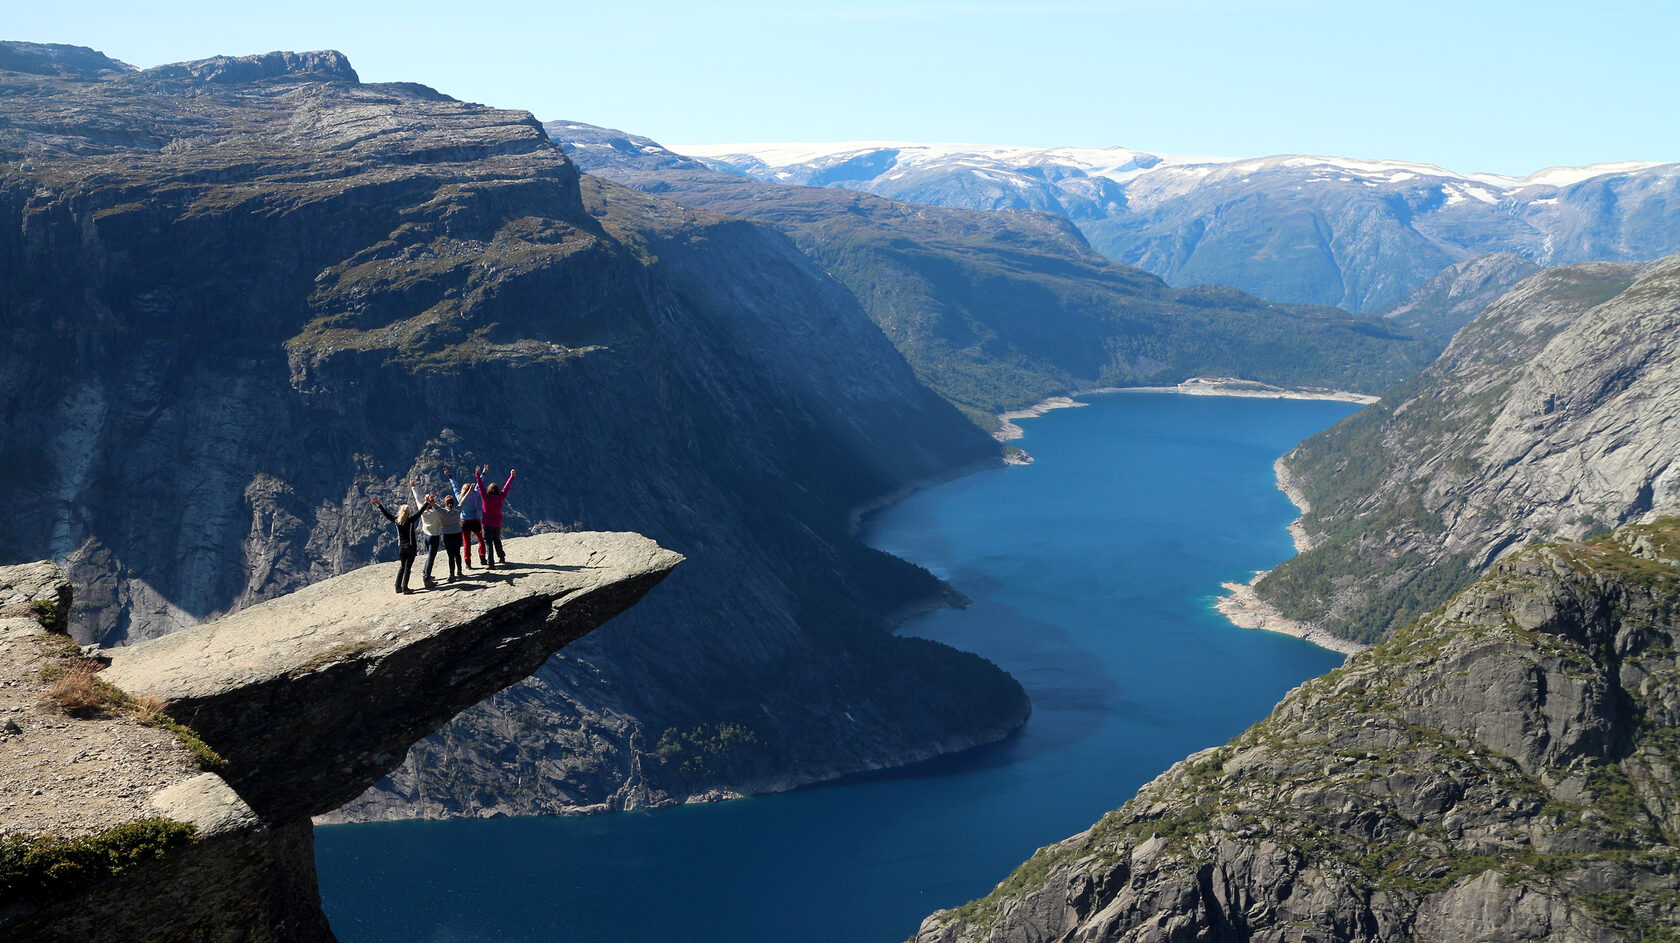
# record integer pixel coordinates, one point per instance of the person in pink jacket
(493, 498)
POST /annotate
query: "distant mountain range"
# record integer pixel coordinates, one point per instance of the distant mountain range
(1358, 234)
(996, 310)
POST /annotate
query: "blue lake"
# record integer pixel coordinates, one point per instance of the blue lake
(1092, 573)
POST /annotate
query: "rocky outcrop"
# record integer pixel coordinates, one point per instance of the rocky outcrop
(1505, 769)
(1552, 414)
(1001, 310)
(1453, 298)
(305, 701)
(246, 294)
(377, 668)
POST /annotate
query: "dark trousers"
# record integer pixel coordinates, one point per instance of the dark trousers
(432, 542)
(493, 540)
(452, 544)
(405, 566)
(469, 530)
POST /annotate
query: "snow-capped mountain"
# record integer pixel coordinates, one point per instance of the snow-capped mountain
(1360, 234)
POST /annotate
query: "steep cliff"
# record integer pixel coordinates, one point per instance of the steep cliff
(999, 310)
(1506, 769)
(117, 823)
(245, 294)
(1552, 414)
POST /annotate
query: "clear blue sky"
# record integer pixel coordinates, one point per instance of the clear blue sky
(1473, 86)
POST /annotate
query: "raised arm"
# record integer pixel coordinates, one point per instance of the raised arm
(384, 510)
(509, 485)
(454, 489)
(414, 492)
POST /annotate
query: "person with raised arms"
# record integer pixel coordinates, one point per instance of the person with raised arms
(431, 525)
(493, 498)
(472, 517)
(405, 519)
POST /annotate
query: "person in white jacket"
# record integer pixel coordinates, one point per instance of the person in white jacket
(431, 526)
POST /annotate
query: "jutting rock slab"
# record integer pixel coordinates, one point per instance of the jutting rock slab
(307, 699)
(313, 696)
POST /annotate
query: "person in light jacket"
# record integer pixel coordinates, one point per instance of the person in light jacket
(493, 498)
(406, 520)
(431, 525)
(451, 516)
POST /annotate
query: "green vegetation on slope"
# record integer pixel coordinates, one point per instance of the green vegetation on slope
(998, 310)
(40, 868)
(1394, 486)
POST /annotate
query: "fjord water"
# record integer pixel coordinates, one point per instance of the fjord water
(1092, 573)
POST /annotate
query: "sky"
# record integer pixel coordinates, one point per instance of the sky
(1498, 87)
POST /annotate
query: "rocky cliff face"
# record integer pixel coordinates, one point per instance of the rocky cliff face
(1550, 415)
(116, 823)
(1463, 290)
(1506, 769)
(999, 310)
(245, 295)
(1358, 234)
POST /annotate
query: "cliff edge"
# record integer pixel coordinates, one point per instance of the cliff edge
(120, 823)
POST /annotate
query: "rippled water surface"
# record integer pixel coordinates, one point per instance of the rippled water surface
(1092, 573)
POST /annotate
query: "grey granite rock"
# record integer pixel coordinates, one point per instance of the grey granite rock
(1463, 290)
(313, 696)
(308, 698)
(1504, 770)
(1555, 413)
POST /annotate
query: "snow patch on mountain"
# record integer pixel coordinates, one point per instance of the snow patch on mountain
(1124, 165)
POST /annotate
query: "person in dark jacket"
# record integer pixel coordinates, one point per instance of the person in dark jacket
(406, 520)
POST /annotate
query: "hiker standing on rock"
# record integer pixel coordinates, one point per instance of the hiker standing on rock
(431, 525)
(407, 550)
(452, 534)
(493, 498)
(472, 517)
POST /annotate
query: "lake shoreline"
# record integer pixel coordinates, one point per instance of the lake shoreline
(1241, 605)
(1008, 431)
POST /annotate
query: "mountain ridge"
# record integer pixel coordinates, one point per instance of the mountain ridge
(999, 310)
(1359, 234)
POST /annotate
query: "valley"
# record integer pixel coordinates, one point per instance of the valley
(248, 294)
